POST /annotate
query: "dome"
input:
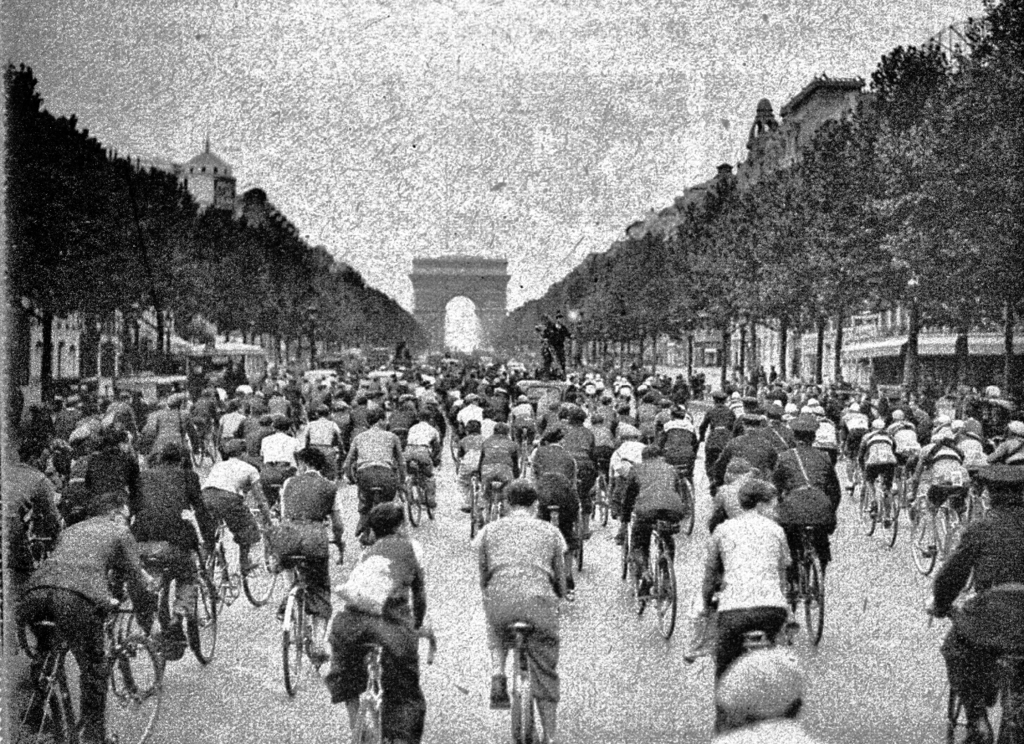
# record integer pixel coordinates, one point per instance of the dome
(764, 105)
(207, 162)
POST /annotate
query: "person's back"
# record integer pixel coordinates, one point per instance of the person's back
(656, 489)
(517, 555)
(499, 450)
(164, 492)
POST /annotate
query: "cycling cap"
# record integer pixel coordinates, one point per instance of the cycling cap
(854, 408)
(628, 431)
(804, 424)
(233, 448)
(792, 408)
(760, 685)
(878, 424)
(943, 435)
(941, 421)
(522, 399)
(992, 391)
(1016, 428)
(898, 415)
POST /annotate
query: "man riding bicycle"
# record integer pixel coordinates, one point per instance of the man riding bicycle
(522, 419)
(424, 448)
(876, 456)
(580, 443)
(375, 462)
(941, 467)
(904, 434)
(499, 461)
(991, 623)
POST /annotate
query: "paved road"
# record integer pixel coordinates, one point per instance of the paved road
(877, 676)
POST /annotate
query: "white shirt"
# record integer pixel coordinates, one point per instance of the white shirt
(322, 433)
(472, 412)
(686, 424)
(230, 424)
(628, 454)
(422, 434)
(754, 554)
(233, 476)
(279, 447)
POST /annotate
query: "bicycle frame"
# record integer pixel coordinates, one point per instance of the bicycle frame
(525, 716)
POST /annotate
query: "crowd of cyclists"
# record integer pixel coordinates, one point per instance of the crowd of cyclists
(99, 490)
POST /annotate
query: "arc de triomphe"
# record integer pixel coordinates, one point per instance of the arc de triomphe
(435, 281)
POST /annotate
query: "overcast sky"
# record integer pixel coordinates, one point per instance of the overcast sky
(530, 129)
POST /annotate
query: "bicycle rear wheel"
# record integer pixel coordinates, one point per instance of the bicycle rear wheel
(890, 517)
(814, 598)
(50, 715)
(219, 573)
(949, 527)
(955, 717)
(689, 507)
(474, 506)
(523, 720)
(201, 629)
(368, 727)
(625, 557)
(868, 509)
(413, 503)
(665, 594)
(922, 540)
(261, 579)
(135, 689)
(293, 641)
(601, 499)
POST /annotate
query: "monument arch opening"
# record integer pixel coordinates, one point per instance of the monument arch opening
(437, 281)
(461, 324)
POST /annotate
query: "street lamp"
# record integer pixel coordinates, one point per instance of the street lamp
(910, 361)
(576, 349)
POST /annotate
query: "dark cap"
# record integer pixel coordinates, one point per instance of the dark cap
(719, 395)
(773, 411)
(804, 423)
(232, 448)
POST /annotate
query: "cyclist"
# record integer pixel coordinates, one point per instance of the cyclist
(277, 451)
(385, 604)
(752, 445)
(469, 453)
(826, 438)
(991, 555)
(403, 417)
(649, 493)
(307, 500)
(521, 418)
(760, 698)
(778, 433)
(629, 453)
(1011, 450)
(499, 460)
(905, 435)
(224, 492)
(375, 461)
(678, 442)
(579, 442)
(424, 448)
(971, 443)
(522, 577)
(852, 428)
(746, 565)
(471, 411)
(554, 472)
(941, 467)
(75, 588)
(167, 425)
(113, 468)
(809, 492)
(604, 442)
(325, 435)
(726, 503)
(167, 540)
(876, 456)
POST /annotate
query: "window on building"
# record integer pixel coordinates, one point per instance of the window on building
(203, 169)
(215, 169)
(710, 357)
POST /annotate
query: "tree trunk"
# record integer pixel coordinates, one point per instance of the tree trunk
(743, 355)
(837, 370)
(910, 361)
(755, 363)
(819, 357)
(654, 354)
(1008, 365)
(783, 349)
(46, 365)
(726, 342)
(961, 353)
(689, 357)
(160, 331)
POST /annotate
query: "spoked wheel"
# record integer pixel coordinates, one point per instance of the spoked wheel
(219, 573)
(474, 506)
(135, 687)
(523, 719)
(261, 579)
(949, 527)
(368, 726)
(413, 502)
(689, 508)
(601, 499)
(923, 544)
(201, 629)
(890, 517)
(293, 643)
(665, 595)
(814, 599)
(625, 557)
(50, 715)
(868, 509)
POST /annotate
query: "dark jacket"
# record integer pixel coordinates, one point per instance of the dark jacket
(779, 436)
(992, 550)
(719, 417)
(89, 552)
(164, 492)
(31, 505)
(813, 499)
(112, 470)
(650, 487)
(753, 446)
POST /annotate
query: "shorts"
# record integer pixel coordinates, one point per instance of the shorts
(853, 440)
(230, 508)
(939, 493)
(887, 470)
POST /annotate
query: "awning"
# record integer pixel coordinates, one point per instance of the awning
(930, 344)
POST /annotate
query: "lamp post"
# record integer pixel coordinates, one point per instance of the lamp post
(311, 318)
(575, 350)
(910, 360)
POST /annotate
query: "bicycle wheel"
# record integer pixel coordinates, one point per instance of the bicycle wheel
(523, 721)
(868, 509)
(602, 499)
(413, 502)
(625, 557)
(922, 540)
(955, 717)
(219, 573)
(135, 689)
(689, 507)
(293, 641)
(49, 715)
(368, 727)
(665, 594)
(890, 516)
(579, 554)
(948, 527)
(814, 597)
(201, 629)
(474, 506)
(260, 580)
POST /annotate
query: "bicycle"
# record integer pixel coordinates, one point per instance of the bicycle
(525, 714)
(414, 495)
(885, 509)
(663, 590)
(475, 496)
(576, 546)
(296, 630)
(602, 502)
(934, 533)
(1010, 701)
(368, 725)
(494, 500)
(201, 624)
(204, 444)
(685, 490)
(810, 586)
(134, 671)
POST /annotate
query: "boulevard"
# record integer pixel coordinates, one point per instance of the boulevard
(877, 675)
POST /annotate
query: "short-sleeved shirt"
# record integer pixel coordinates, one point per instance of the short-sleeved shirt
(279, 447)
(308, 497)
(323, 433)
(753, 550)
(233, 476)
(499, 450)
(517, 557)
(422, 435)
